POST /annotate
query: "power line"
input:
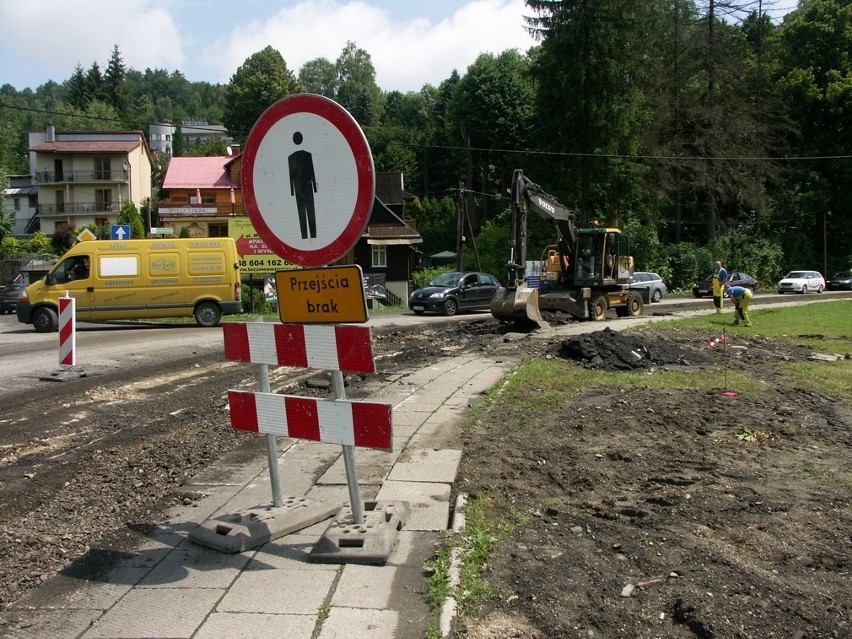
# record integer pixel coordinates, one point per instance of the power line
(568, 154)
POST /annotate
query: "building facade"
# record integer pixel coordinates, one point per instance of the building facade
(85, 177)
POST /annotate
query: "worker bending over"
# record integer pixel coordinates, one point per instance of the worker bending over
(741, 297)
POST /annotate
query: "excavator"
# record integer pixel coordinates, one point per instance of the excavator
(586, 273)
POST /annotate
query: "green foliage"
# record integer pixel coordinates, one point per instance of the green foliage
(184, 231)
(10, 247)
(39, 244)
(424, 276)
(130, 215)
(262, 80)
(436, 223)
(63, 238)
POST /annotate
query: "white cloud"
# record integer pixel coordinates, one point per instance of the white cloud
(406, 55)
(56, 36)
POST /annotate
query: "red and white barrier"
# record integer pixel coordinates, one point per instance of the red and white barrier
(346, 348)
(347, 423)
(67, 332)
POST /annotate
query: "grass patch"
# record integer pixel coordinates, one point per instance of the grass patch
(540, 385)
(834, 378)
(485, 528)
(822, 326)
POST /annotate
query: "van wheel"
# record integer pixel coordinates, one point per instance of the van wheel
(208, 314)
(44, 320)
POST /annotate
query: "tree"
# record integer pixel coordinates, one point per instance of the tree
(319, 76)
(114, 82)
(77, 88)
(592, 70)
(357, 91)
(262, 80)
(130, 215)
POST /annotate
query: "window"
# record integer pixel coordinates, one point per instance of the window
(101, 221)
(217, 230)
(379, 255)
(17, 204)
(102, 168)
(103, 200)
(208, 199)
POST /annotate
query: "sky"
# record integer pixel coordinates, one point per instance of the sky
(411, 42)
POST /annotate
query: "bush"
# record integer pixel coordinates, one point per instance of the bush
(423, 277)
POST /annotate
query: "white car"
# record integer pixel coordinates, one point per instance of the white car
(802, 282)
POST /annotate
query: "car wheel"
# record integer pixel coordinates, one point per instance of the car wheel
(804, 290)
(451, 307)
(657, 296)
(819, 289)
(597, 308)
(44, 320)
(207, 314)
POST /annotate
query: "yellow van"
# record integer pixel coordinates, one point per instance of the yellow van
(136, 279)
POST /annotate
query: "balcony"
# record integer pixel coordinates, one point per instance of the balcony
(73, 208)
(50, 177)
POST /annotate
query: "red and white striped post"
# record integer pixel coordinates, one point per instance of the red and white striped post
(67, 332)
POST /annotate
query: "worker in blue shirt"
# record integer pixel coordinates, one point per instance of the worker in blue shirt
(720, 276)
(741, 297)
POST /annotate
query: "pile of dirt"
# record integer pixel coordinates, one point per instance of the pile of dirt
(614, 350)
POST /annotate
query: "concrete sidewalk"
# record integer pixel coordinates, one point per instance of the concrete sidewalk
(173, 588)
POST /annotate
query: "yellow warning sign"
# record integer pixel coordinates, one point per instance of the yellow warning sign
(321, 295)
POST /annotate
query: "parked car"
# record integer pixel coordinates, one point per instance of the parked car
(735, 278)
(452, 292)
(801, 282)
(841, 281)
(650, 282)
(9, 295)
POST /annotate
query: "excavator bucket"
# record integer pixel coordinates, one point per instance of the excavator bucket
(517, 305)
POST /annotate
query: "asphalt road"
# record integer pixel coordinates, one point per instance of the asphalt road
(28, 358)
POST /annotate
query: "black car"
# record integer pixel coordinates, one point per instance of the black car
(9, 295)
(452, 292)
(841, 281)
(735, 278)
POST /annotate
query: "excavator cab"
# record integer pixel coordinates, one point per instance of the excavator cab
(602, 257)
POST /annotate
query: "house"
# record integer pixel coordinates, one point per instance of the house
(85, 177)
(204, 195)
(201, 194)
(21, 198)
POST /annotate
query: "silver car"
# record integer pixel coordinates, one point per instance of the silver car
(650, 282)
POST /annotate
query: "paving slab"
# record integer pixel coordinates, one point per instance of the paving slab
(348, 623)
(362, 586)
(229, 625)
(194, 566)
(429, 503)
(427, 465)
(156, 613)
(275, 590)
(49, 623)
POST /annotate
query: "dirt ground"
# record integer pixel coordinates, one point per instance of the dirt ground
(667, 513)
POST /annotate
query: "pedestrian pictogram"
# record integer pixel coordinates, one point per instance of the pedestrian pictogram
(308, 179)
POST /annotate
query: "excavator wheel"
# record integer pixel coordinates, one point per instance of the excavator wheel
(635, 305)
(598, 308)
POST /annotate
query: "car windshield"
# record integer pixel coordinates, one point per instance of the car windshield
(842, 275)
(446, 279)
(796, 275)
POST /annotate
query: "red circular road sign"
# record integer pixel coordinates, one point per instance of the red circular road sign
(308, 179)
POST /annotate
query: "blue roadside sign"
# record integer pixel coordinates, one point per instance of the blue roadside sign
(119, 232)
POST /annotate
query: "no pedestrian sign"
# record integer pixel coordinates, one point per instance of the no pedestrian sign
(308, 179)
